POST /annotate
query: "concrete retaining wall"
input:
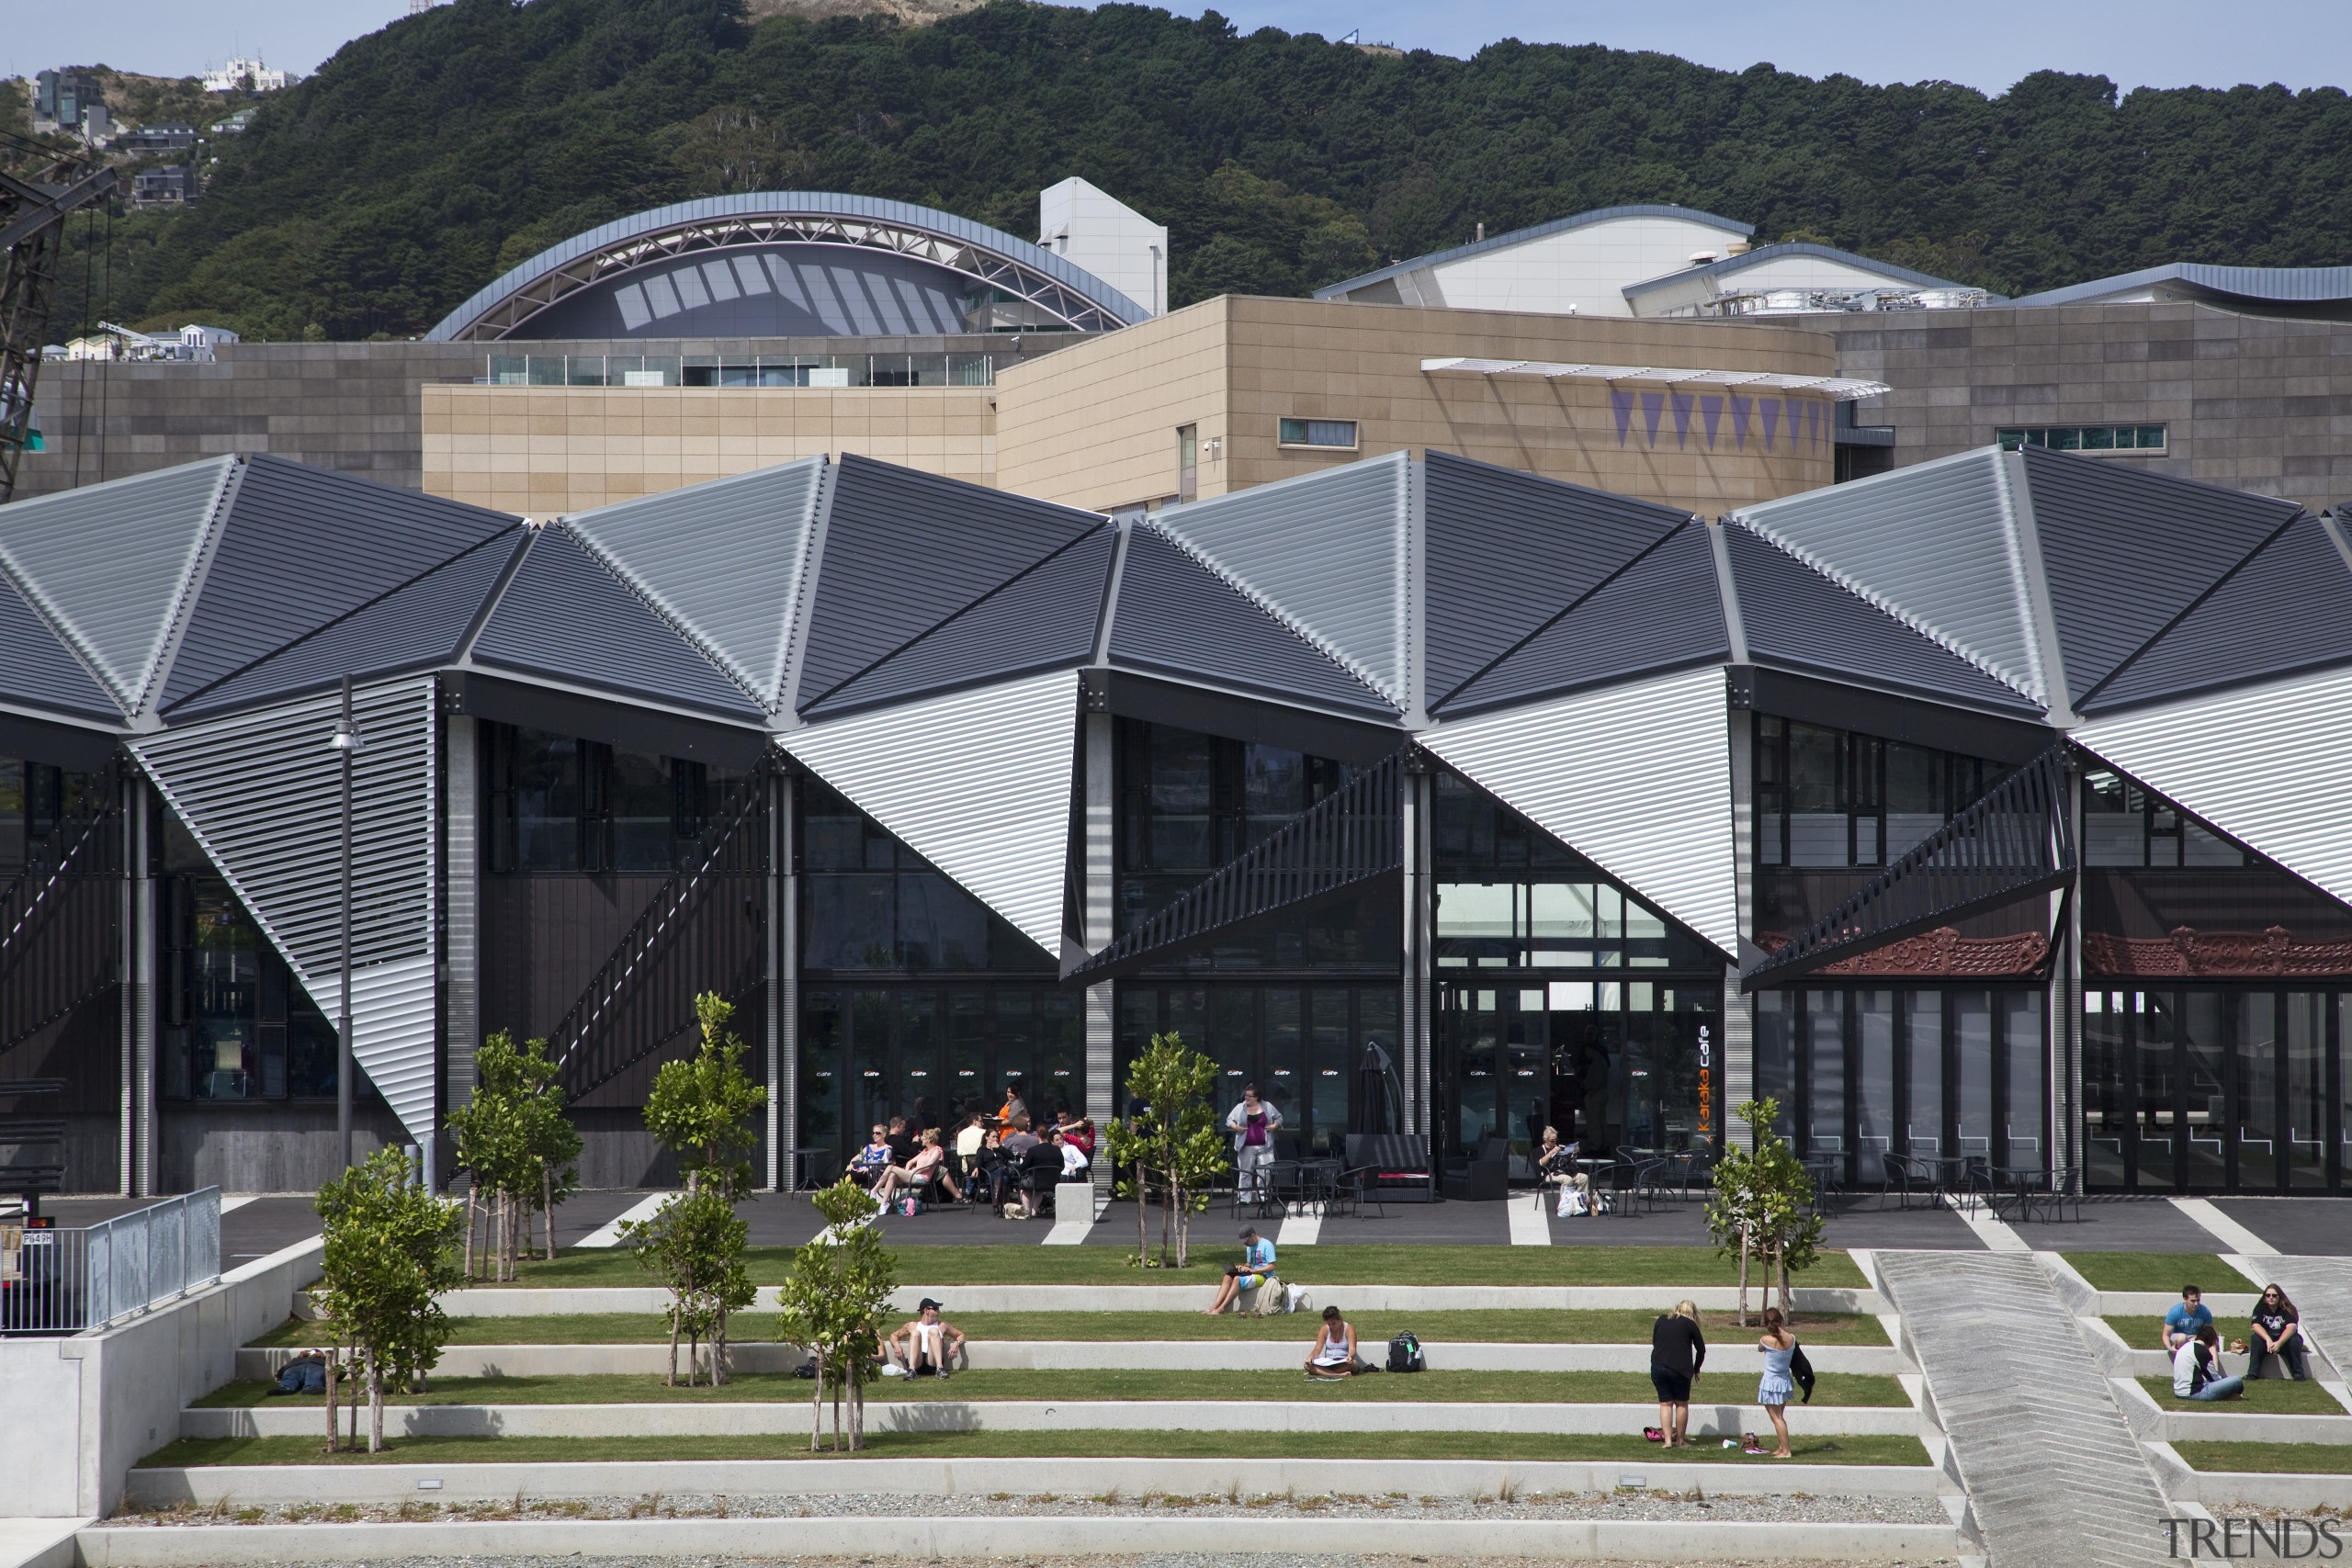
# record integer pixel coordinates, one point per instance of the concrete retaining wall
(520, 1302)
(273, 1485)
(778, 1418)
(963, 1539)
(81, 1411)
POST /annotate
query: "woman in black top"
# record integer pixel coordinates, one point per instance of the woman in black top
(2277, 1335)
(1678, 1349)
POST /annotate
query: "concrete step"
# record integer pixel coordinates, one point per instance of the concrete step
(966, 1540)
(782, 1418)
(508, 1301)
(2154, 1422)
(2237, 1491)
(276, 1486)
(1045, 1355)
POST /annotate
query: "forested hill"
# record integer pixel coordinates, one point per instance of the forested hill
(423, 159)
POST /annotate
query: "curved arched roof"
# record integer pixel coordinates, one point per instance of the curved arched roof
(1069, 294)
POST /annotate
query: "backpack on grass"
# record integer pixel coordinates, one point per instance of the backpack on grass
(1405, 1353)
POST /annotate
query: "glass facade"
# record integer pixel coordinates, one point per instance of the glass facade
(557, 803)
(1303, 1046)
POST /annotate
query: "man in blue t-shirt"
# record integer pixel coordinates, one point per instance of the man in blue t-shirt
(2187, 1316)
(1256, 1264)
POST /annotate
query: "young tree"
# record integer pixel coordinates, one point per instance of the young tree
(388, 1254)
(701, 1109)
(1763, 1206)
(830, 1306)
(1175, 1139)
(694, 1245)
(518, 1143)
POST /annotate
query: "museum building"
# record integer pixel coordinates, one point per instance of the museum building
(1995, 807)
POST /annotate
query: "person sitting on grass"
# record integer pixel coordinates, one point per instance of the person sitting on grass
(2187, 1315)
(1334, 1355)
(873, 1159)
(926, 1346)
(2277, 1336)
(928, 1168)
(2197, 1370)
(1257, 1263)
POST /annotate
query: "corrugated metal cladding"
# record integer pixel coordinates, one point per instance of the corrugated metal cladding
(1008, 753)
(564, 615)
(2125, 550)
(725, 562)
(1044, 619)
(2288, 610)
(40, 672)
(1506, 551)
(300, 546)
(1798, 619)
(1328, 553)
(903, 551)
(2269, 765)
(414, 626)
(1176, 617)
(1636, 778)
(1663, 612)
(1933, 544)
(110, 564)
(260, 793)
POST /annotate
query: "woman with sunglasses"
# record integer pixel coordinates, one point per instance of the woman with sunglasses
(2277, 1335)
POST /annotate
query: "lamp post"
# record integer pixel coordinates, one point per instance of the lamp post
(347, 740)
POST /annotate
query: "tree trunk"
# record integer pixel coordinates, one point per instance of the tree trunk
(1780, 1261)
(856, 1416)
(335, 1437)
(672, 1381)
(1142, 1245)
(547, 1207)
(817, 1409)
(718, 1352)
(1743, 1276)
(375, 1404)
(470, 1233)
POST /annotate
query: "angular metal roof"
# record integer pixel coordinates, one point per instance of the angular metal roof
(1537, 232)
(2259, 285)
(1730, 266)
(38, 670)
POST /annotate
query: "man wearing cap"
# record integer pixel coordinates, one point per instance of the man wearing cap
(924, 1347)
(1257, 1263)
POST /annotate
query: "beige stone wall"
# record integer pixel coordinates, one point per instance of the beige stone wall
(543, 451)
(1096, 425)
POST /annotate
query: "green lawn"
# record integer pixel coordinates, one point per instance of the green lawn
(2268, 1458)
(1531, 1326)
(2270, 1397)
(1378, 1263)
(2165, 1272)
(1109, 1383)
(1602, 1448)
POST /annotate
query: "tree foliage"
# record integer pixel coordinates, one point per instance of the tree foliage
(515, 1140)
(1173, 1145)
(389, 1253)
(694, 1245)
(701, 1108)
(1762, 1207)
(426, 157)
(831, 1303)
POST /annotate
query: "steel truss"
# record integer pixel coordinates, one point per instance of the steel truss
(32, 233)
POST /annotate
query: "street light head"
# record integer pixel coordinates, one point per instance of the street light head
(346, 737)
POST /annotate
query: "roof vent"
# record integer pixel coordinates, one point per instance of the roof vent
(1701, 258)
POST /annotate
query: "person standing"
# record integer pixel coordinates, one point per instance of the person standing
(1678, 1351)
(2277, 1335)
(1773, 1389)
(1253, 1123)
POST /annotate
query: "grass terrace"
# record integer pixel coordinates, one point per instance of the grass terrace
(1067, 1387)
(2165, 1272)
(2270, 1396)
(2264, 1458)
(1600, 1447)
(1667, 1267)
(1531, 1326)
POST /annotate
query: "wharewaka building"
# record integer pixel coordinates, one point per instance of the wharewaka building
(2000, 806)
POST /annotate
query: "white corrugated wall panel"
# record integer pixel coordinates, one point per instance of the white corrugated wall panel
(261, 792)
(727, 563)
(1329, 554)
(1636, 778)
(2271, 766)
(111, 565)
(1935, 545)
(976, 781)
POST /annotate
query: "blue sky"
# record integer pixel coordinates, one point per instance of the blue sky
(1985, 43)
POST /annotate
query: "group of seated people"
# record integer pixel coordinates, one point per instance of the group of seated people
(1001, 1160)
(2274, 1343)
(929, 1345)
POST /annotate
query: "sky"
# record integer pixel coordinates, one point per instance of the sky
(1986, 43)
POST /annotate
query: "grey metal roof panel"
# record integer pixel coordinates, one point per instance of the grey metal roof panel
(1537, 232)
(1731, 264)
(2124, 551)
(563, 616)
(300, 546)
(111, 565)
(2287, 611)
(1044, 619)
(39, 671)
(2265, 285)
(1505, 551)
(1800, 619)
(1664, 613)
(903, 551)
(1176, 617)
(417, 626)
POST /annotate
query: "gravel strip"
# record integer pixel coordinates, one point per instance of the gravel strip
(1793, 1508)
(1152, 1560)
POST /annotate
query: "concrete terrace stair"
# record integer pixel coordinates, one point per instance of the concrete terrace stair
(2055, 1476)
(506, 1301)
(790, 1417)
(2158, 1423)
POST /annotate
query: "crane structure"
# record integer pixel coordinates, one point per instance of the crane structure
(32, 234)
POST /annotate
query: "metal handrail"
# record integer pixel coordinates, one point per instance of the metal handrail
(75, 1278)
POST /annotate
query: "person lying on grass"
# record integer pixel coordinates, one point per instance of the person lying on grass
(1334, 1355)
